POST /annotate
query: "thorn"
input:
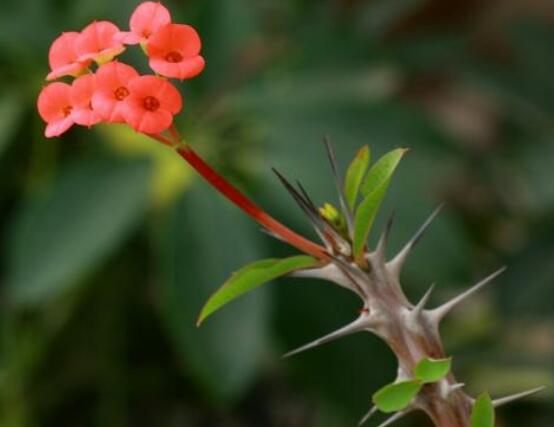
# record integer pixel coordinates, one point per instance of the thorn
(306, 196)
(340, 185)
(305, 206)
(423, 301)
(394, 418)
(324, 231)
(456, 386)
(367, 416)
(439, 312)
(357, 325)
(356, 276)
(382, 244)
(395, 265)
(508, 399)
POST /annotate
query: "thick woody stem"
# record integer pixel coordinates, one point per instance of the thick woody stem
(410, 330)
(239, 199)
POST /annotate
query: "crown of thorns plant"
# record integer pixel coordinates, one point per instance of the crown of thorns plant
(102, 89)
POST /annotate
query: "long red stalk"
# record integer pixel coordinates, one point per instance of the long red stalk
(240, 200)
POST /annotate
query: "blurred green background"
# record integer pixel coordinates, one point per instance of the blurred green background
(110, 245)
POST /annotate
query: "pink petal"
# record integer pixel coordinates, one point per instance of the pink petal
(82, 89)
(159, 88)
(53, 100)
(174, 37)
(62, 51)
(148, 18)
(56, 128)
(115, 74)
(153, 121)
(186, 69)
(127, 37)
(105, 104)
(85, 116)
(73, 69)
(97, 41)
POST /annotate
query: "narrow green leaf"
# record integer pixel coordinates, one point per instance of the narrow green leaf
(395, 397)
(382, 170)
(483, 412)
(374, 188)
(355, 174)
(430, 370)
(252, 276)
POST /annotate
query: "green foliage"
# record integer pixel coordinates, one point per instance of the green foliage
(11, 109)
(373, 188)
(355, 174)
(250, 277)
(431, 370)
(482, 414)
(293, 71)
(86, 213)
(397, 396)
(190, 265)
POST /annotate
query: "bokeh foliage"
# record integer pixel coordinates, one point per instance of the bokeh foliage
(110, 245)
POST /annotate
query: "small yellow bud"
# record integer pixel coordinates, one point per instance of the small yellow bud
(329, 212)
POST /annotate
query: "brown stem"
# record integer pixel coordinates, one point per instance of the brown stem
(413, 337)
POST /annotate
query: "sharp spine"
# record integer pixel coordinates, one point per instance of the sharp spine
(509, 399)
(384, 239)
(360, 324)
(438, 313)
(395, 265)
(313, 217)
(368, 415)
(340, 187)
(394, 418)
(418, 309)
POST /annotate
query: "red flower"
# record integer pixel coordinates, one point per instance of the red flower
(82, 90)
(151, 104)
(54, 106)
(63, 57)
(112, 87)
(96, 42)
(174, 51)
(147, 18)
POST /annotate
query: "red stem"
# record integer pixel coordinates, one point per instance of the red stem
(240, 200)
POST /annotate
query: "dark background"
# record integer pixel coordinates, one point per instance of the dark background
(110, 245)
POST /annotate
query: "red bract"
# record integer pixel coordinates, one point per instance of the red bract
(151, 104)
(147, 18)
(96, 42)
(112, 87)
(54, 106)
(63, 57)
(174, 51)
(81, 93)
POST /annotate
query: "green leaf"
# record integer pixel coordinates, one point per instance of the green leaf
(395, 397)
(355, 174)
(89, 209)
(483, 412)
(381, 172)
(430, 370)
(250, 277)
(374, 188)
(224, 357)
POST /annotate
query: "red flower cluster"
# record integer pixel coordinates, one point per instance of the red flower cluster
(115, 92)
